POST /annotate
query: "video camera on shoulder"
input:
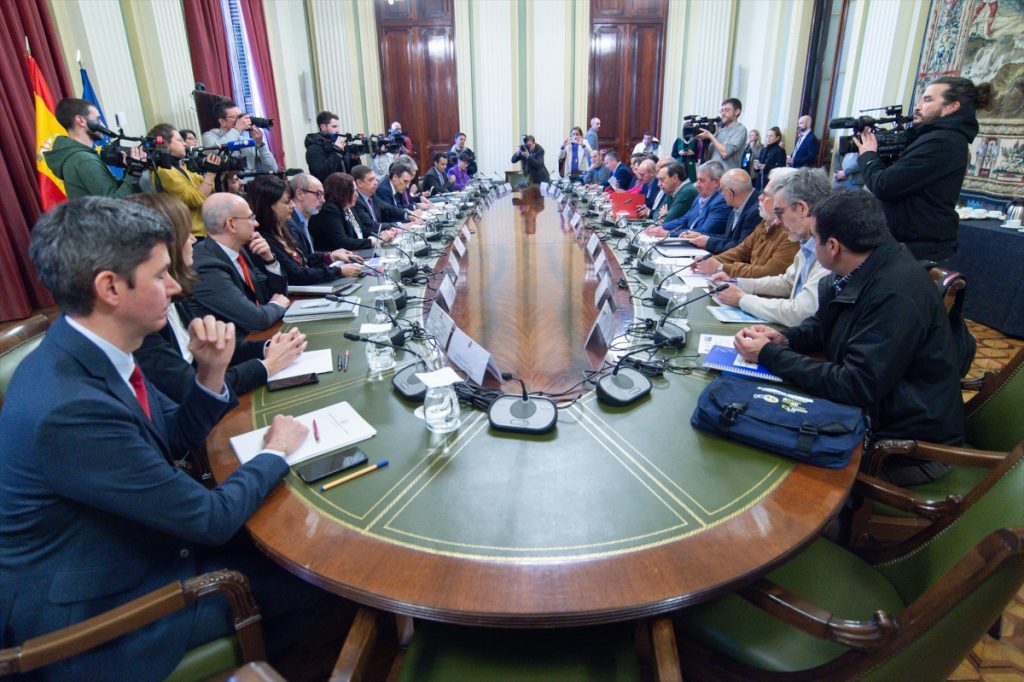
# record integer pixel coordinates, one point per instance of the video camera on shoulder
(388, 142)
(113, 153)
(693, 123)
(891, 141)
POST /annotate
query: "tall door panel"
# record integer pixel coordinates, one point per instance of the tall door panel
(608, 51)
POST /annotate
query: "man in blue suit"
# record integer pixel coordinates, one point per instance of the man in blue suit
(94, 511)
(738, 192)
(621, 176)
(709, 214)
(805, 151)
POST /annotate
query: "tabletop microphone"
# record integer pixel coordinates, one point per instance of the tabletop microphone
(625, 385)
(397, 334)
(423, 250)
(671, 334)
(646, 265)
(522, 414)
(405, 380)
(405, 270)
(659, 299)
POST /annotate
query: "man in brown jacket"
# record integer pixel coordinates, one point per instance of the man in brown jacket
(766, 251)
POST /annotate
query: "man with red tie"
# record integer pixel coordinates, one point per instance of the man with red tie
(94, 511)
(239, 281)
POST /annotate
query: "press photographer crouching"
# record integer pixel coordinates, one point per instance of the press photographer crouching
(173, 177)
(73, 159)
(531, 156)
(919, 190)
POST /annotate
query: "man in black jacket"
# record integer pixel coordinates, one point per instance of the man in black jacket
(531, 156)
(884, 333)
(436, 181)
(325, 150)
(920, 189)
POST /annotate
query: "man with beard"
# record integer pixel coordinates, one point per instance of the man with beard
(73, 159)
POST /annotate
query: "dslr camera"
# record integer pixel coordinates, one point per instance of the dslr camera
(523, 149)
(259, 122)
(891, 141)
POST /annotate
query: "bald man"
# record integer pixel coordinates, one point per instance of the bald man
(239, 281)
(805, 151)
(738, 192)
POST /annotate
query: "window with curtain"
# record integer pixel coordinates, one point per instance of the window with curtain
(245, 81)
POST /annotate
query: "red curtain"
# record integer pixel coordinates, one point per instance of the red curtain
(208, 45)
(20, 289)
(256, 30)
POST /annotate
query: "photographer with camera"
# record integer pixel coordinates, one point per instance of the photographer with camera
(325, 149)
(236, 126)
(73, 159)
(531, 156)
(919, 190)
(730, 138)
(459, 148)
(171, 175)
(401, 138)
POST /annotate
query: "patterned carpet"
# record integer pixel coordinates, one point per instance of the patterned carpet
(995, 660)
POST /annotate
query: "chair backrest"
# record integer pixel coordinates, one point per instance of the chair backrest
(15, 343)
(951, 285)
(994, 415)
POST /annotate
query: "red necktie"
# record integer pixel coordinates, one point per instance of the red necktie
(139, 385)
(245, 275)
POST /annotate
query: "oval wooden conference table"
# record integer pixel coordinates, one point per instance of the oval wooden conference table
(617, 514)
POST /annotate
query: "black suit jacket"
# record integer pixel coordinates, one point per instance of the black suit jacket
(299, 237)
(385, 214)
(305, 272)
(222, 292)
(164, 365)
(331, 230)
(736, 230)
(436, 183)
(386, 195)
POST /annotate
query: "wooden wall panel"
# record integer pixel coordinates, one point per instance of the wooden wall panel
(627, 63)
(418, 74)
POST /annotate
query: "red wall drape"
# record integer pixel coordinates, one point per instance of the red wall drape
(208, 45)
(20, 289)
(256, 30)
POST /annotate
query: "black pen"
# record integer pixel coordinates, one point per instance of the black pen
(339, 362)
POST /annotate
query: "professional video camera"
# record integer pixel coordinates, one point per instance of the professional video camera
(195, 158)
(390, 142)
(891, 141)
(693, 123)
(114, 154)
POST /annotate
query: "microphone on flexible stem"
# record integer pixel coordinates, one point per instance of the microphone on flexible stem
(405, 380)
(646, 266)
(671, 334)
(522, 414)
(409, 269)
(625, 385)
(397, 334)
(658, 299)
(423, 250)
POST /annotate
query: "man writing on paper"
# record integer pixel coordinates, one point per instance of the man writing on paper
(95, 511)
(884, 332)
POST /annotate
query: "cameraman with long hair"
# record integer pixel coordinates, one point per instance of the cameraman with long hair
(179, 181)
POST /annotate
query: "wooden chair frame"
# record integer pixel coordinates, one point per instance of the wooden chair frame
(22, 333)
(75, 639)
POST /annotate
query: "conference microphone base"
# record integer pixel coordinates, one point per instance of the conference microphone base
(408, 384)
(658, 298)
(511, 413)
(408, 270)
(397, 336)
(645, 267)
(670, 334)
(624, 388)
(422, 251)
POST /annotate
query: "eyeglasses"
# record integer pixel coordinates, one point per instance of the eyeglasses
(318, 194)
(779, 210)
(251, 216)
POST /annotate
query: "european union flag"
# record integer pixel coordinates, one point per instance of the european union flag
(89, 95)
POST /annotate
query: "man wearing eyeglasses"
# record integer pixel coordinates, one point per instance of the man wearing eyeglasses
(308, 198)
(730, 139)
(239, 280)
(791, 297)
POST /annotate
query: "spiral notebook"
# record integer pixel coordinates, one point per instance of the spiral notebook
(726, 359)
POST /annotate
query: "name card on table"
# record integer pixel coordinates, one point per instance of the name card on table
(471, 357)
(604, 325)
(603, 289)
(508, 186)
(543, 188)
(576, 218)
(466, 234)
(593, 245)
(600, 262)
(453, 263)
(566, 210)
(440, 325)
(459, 247)
(447, 291)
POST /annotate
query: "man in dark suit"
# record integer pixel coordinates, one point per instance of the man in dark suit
(393, 190)
(308, 198)
(233, 285)
(805, 151)
(738, 192)
(621, 177)
(436, 181)
(95, 512)
(370, 212)
(709, 214)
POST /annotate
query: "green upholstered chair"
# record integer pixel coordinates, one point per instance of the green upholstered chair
(993, 423)
(15, 343)
(221, 655)
(909, 612)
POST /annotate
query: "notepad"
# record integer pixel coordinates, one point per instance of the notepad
(727, 360)
(733, 315)
(339, 425)
(319, 309)
(336, 286)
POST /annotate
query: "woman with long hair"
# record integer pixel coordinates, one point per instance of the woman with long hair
(772, 156)
(270, 198)
(178, 180)
(335, 227)
(165, 357)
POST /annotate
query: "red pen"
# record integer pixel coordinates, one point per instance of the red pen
(316, 432)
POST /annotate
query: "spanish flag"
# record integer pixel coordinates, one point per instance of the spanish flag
(51, 190)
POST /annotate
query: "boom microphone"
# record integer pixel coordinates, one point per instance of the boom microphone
(522, 414)
(674, 335)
